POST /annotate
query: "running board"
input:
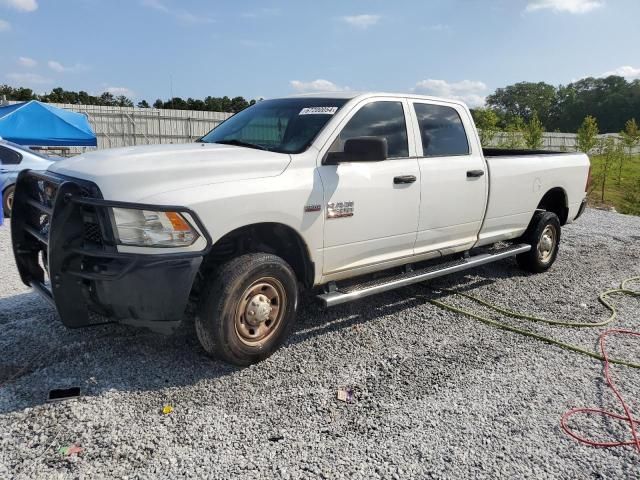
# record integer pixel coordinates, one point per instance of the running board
(355, 292)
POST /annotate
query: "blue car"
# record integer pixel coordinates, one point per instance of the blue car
(13, 159)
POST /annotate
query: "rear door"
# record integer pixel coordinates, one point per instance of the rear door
(371, 207)
(454, 185)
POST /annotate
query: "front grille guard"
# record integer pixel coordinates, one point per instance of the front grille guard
(54, 227)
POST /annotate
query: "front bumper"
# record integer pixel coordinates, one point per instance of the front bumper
(61, 229)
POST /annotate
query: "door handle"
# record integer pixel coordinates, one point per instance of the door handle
(474, 173)
(404, 179)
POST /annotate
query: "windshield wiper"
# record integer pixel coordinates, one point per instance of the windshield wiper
(240, 143)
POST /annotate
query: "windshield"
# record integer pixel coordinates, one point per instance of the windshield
(286, 125)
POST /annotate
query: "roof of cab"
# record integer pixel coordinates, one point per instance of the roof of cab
(351, 95)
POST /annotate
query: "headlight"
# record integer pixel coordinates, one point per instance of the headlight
(147, 228)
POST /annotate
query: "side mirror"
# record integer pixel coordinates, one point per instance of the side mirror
(360, 149)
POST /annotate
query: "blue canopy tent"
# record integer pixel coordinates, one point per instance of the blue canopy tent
(36, 123)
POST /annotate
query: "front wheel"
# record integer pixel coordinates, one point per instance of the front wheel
(544, 237)
(7, 200)
(248, 308)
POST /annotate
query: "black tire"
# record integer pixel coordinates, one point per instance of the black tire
(7, 200)
(224, 321)
(543, 235)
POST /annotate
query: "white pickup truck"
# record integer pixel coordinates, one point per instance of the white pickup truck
(312, 192)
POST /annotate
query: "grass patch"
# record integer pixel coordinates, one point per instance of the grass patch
(620, 191)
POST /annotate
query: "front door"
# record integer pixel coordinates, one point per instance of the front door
(371, 207)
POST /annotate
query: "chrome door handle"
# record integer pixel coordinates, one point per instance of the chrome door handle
(474, 173)
(404, 179)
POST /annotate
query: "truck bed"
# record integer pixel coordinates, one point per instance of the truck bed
(506, 152)
(518, 179)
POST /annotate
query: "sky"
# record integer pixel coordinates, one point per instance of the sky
(465, 49)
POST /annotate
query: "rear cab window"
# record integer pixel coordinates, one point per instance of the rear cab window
(441, 131)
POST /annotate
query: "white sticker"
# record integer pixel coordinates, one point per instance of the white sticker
(318, 111)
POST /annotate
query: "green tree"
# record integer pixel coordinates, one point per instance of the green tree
(610, 152)
(533, 133)
(512, 138)
(630, 135)
(630, 138)
(122, 101)
(524, 99)
(143, 104)
(631, 199)
(588, 134)
(107, 99)
(487, 124)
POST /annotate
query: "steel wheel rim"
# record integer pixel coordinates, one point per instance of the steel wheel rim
(10, 201)
(547, 244)
(260, 310)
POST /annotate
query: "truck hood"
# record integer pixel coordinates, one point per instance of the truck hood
(133, 173)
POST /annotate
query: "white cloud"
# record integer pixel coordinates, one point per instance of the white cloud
(4, 26)
(570, 6)
(22, 5)
(27, 62)
(56, 66)
(627, 71)
(156, 4)
(28, 78)
(361, 21)
(472, 92)
(60, 68)
(318, 85)
(181, 15)
(115, 91)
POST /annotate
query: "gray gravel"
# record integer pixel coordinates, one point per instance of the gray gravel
(437, 395)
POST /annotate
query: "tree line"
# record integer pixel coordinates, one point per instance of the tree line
(611, 100)
(59, 95)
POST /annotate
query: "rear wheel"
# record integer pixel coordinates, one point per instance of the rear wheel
(7, 200)
(248, 308)
(544, 237)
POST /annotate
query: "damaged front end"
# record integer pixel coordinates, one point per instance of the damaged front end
(66, 249)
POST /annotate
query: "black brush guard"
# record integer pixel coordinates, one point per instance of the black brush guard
(65, 248)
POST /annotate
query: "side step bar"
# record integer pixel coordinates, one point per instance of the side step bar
(355, 292)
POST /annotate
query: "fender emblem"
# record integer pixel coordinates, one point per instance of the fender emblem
(340, 209)
(312, 208)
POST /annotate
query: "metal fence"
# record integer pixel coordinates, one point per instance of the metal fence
(122, 126)
(128, 126)
(564, 142)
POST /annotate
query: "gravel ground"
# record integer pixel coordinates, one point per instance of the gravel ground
(436, 395)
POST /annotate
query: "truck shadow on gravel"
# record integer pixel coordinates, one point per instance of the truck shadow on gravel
(40, 354)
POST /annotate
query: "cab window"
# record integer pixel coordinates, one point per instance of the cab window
(9, 157)
(378, 119)
(441, 130)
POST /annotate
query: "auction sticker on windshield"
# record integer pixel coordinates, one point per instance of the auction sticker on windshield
(318, 111)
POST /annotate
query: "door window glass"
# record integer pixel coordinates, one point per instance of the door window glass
(9, 157)
(441, 130)
(378, 119)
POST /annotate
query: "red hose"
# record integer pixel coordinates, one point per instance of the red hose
(627, 417)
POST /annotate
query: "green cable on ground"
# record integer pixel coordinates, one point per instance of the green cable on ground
(603, 298)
